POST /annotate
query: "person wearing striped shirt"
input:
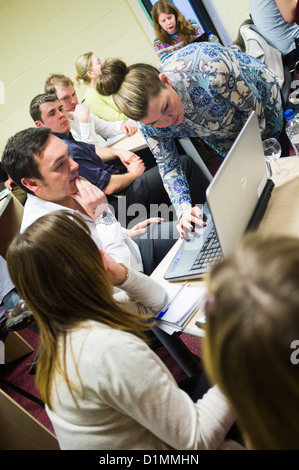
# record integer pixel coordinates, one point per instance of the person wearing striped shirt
(173, 31)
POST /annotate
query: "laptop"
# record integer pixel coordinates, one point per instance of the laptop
(237, 199)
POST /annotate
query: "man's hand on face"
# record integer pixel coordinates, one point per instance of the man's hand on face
(90, 197)
(81, 113)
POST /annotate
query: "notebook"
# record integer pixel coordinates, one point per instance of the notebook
(182, 302)
(237, 199)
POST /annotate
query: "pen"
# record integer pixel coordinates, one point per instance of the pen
(162, 313)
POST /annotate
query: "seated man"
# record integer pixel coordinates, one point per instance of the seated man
(88, 127)
(85, 126)
(141, 187)
(39, 162)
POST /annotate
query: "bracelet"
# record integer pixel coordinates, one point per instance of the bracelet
(126, 277)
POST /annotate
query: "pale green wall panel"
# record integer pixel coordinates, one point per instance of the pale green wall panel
(39, 37)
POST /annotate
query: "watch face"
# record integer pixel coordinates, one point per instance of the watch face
(106, 218)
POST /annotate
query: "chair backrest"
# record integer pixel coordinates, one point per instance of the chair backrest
(11, 213)
(21, 431)
(259, 48)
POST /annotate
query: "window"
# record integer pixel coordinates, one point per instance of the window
(199, 10)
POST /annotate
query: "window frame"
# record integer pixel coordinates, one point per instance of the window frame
(204, 11)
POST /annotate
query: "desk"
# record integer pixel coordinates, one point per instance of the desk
(134, 142)
(282, 214)
(281, 217)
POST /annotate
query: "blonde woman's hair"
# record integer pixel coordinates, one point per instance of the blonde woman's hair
(57, 268)
(83, 65)
(184, 30)
(132, 86)
(251, 324)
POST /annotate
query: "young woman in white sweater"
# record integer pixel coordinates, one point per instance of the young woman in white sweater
(104, 388)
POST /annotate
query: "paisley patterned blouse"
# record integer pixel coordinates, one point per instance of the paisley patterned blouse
(219, 88)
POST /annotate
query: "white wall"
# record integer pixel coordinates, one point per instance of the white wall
(40, 37)
(232, 14)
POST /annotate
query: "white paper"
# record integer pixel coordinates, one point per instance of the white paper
(184, 305)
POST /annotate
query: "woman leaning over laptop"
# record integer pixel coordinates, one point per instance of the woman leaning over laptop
(205, 91)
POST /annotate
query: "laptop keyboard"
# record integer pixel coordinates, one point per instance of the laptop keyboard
(210, 253)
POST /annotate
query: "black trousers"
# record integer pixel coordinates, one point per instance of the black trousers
(196, 386)
(141, 199)
(283, 138)
(292, 57)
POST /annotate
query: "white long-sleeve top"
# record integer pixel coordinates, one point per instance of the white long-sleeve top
(95, 131)
(127, 397)
(110, 238)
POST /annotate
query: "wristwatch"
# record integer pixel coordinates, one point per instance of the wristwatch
(106, 218)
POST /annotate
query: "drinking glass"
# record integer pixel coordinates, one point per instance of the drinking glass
(272, 152)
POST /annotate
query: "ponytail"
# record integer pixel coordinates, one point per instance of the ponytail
(113, 73)
(83, 65)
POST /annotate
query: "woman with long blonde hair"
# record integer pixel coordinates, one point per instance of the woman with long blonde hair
(104, 388)
(251, 347)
